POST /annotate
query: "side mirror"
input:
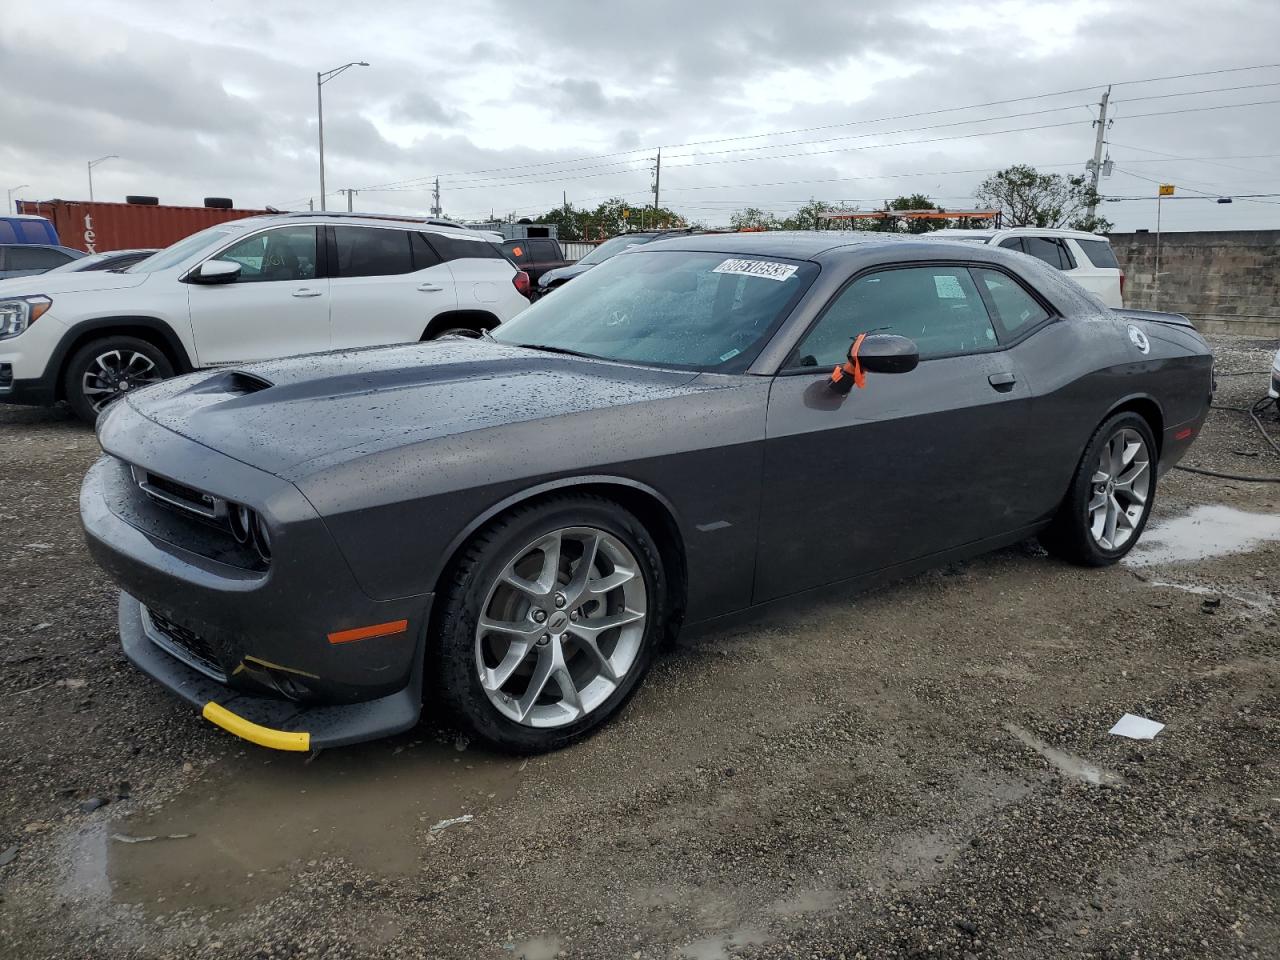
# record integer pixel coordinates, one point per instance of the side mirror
(215, 271)
(874, 353)
(888, 353)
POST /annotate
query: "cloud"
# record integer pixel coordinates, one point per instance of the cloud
(223, 103)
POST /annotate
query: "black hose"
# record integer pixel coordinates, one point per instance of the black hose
(1227, 476)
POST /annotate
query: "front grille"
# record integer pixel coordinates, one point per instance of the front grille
(187, 645)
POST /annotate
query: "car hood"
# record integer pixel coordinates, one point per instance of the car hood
(563, 273)
(50, 285)
(297, 416)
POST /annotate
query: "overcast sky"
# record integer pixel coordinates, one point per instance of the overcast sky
(515, 105)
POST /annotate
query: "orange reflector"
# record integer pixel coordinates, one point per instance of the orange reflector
(1182, 434)
(374, 630)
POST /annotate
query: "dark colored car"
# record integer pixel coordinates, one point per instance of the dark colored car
(551, 279)
(535, 256)
(28, 259)
(308, 547)
(111, 260)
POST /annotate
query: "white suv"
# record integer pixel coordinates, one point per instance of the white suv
(251, 289)
(1086, 258)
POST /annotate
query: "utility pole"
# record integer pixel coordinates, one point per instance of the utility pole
(1095, 166)
(435, 198)
(350, 193)
(311, 204)
(657, 182)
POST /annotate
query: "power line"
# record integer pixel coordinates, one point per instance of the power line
(777, 133)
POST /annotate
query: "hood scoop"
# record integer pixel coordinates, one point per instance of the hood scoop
(234, 383)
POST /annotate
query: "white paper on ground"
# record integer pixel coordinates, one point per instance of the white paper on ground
(1136, 728)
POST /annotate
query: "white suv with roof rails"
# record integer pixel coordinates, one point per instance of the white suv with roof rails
(251, 289)
(1086, 258)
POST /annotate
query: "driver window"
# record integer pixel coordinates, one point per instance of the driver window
(937, 307)
(288, 253)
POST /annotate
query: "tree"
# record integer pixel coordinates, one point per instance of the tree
(753, 218)
(1027, 198)
(610, 218)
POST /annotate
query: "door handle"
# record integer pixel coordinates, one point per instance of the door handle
(307, 292)
(1004, 382)
(430, 287)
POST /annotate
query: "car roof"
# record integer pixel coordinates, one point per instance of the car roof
(23, 216)
(792, 244)
(1018, 232)
(44, 246)
(334, 217)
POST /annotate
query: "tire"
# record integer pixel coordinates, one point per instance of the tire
(90, 369)
(1073, 534)
(476, 587)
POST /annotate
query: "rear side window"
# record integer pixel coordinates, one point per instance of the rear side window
(35, 258)
(1099, 253)
(1012, 243)
(937, 307)
(372, 252)
(1050, 250)
(518, 250)
(461, 248)
(1016, 310)
(544, 250)
(423, 254)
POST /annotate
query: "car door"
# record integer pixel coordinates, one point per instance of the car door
(278, 305)
(913, 464)
(387, 283)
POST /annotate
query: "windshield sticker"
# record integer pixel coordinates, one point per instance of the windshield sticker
(948, 287)
(758, 268)
(730, 355)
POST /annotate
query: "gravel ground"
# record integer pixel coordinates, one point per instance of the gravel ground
(923, 770)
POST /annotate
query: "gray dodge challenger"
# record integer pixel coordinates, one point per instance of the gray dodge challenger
(309, 548)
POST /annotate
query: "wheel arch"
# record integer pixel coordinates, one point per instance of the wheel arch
(470, 319)
(1146, 407)
(653, 509)
(151, 329)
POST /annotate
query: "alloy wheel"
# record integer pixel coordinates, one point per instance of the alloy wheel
(1121, 484)
(561, 627)
(112, 374)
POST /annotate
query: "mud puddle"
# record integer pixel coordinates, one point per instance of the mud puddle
(1210, 530)
(240, 834)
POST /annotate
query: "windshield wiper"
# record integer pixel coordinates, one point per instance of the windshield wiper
(565, 350)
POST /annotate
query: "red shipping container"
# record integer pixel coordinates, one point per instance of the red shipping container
(99, 227)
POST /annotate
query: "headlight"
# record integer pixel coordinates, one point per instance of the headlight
(18, 314)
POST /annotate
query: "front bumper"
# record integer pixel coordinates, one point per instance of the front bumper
(293, 647)
(267, 721)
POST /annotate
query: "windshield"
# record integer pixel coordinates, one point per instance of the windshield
(75, 266)
(173, 255)
(612, 247)
(668, 308)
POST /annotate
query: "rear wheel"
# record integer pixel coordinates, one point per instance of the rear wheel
(550, 622)
(104, 370)
(1111, 494)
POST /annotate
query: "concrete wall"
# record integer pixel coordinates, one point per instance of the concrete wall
(1228, 281)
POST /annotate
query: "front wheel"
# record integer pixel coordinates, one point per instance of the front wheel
(1110, 498)
(550, 622)
(103, 371)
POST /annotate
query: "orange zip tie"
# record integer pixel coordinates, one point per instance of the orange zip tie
(852, 367)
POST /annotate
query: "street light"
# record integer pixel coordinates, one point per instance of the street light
(94, 163)
(321, 80)
(12, 190)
